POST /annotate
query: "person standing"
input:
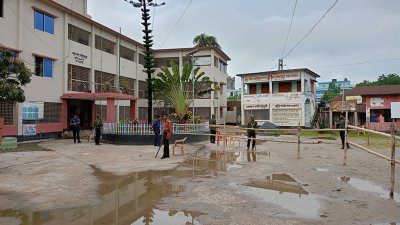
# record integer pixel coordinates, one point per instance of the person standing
(213, 130)
(75, 122)
(157, 129)
(342, 125)
(97, 128)
(167, 134)
(251, 134)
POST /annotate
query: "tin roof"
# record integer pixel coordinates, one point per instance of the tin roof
(371, 90)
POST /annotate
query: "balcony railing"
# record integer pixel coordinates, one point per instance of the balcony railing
(78, 85)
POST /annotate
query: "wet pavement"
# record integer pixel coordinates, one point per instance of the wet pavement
(211, 186)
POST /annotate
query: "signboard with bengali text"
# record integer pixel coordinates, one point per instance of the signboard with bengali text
(256, 106)
(281, 77)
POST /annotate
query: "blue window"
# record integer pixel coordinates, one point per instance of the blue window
(43, 67)
(47, 68)
(49, 24)
(44, 22)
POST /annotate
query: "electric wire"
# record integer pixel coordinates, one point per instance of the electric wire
(290, 26)
(179, 20)
(311, 30)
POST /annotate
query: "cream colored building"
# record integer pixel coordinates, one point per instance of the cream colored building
(284, 97)
(72, 57)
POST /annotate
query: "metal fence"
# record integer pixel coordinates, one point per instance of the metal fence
(146, 129)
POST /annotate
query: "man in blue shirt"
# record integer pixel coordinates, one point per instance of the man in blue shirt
(157, 129)
(75, 122)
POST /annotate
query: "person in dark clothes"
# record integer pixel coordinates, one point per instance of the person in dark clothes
(251, 134)
(156, 130)
(213, 130)
(342, 125)
(97, 127)
(75, 122)
(167, 134)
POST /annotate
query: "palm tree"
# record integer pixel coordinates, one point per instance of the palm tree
(204, 40)
(175, 88)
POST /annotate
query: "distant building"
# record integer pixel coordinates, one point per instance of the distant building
(374, 111)
(284, 97)
(323, 87)
(230, 83)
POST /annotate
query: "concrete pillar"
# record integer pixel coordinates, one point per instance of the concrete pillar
(64, 114)
(110, 110)
(93, 113)
(356, 118)
(132, 110)
(330, 118)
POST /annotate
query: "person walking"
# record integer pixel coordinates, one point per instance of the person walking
(167, 134)
(97, 128)
(156, 130)
(342, 125)
(75, 122)
(213, 130)
(251, 134)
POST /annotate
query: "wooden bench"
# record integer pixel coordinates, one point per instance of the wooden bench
(179, 143)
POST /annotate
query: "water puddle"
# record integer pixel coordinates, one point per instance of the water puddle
(219, 161)
(368, 186)
(130, 199)
(321, 169)
(394, 223)
(283, 190)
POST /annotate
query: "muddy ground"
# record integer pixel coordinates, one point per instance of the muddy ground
(267, 186)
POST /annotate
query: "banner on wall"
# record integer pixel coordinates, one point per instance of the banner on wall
(29, 129)
(32, 110)
(376, 102)
(256, 106)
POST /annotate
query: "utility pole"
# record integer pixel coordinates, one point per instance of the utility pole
(280, 64)
(148, 43)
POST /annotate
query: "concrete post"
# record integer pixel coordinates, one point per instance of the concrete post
(110, 110)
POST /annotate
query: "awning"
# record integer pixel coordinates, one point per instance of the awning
(98, 96)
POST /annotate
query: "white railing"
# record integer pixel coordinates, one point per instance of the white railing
(146, 129)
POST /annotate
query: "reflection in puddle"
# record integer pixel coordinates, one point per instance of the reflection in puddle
(129, 199)
(215, 161)
(368, 186)
(321, 169)
(283, 190)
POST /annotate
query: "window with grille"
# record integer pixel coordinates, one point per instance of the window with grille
(127, 53)
(259, 114)
(221, 112)
(203, 86)
(142, 113)
(104, 45)
(78, 35)
(141, 59)
(101, 110)
(142, 89)
(124, 113)
(203, 112)
(78, 78)
(51, 114)
(130, 85)
(101, 78)
(159, 62)
(7, 111)
(216, 61)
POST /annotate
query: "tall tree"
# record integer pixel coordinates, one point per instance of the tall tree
(332, 91)
(13, 75)
(203, 40)
(390, 79)
(176, 87)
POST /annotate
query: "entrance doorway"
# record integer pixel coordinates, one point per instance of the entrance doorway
(84, 110)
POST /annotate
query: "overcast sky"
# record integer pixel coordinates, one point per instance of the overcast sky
(253, 32)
